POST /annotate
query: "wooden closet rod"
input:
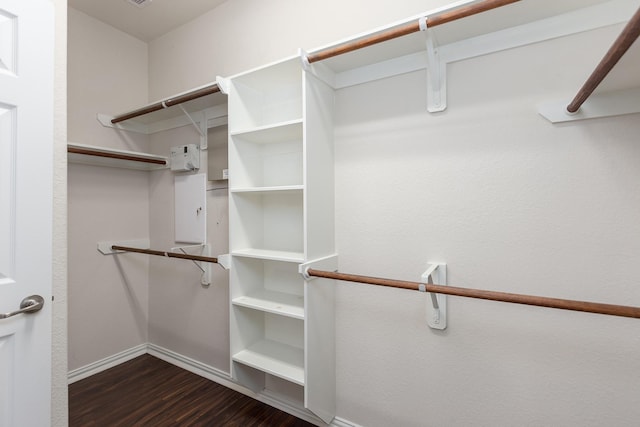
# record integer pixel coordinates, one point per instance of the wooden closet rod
(169, 102)
(119, 156)
(564, 304)
(624, 41)
(412, 27)
(167, 254)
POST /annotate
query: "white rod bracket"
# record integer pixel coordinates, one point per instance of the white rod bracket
(437, 304)
(422, 22)
(224, 261)
(318, 70)
(131, 126)
(436, 75)
(205, 267)
(329, 263)
(304, 59)
(104, 247)
(193, 122)
(204, 131)
(223, 84)
(205, 279)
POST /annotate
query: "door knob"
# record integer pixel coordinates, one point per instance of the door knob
(30, 304)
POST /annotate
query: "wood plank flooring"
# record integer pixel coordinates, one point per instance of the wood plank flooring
(147, 391)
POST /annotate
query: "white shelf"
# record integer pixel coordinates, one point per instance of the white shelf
(274, 164)
(277, 132)
(460, 31)
(157, 116)
(274, 302)
(270, 255)
(274, 358)
(268, 189)
(510, 26)
(102, 156)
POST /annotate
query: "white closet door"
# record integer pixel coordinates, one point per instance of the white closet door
(26, 165)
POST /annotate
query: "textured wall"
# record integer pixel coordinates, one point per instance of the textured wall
(243, 34)
(510, 203)
(107, 73)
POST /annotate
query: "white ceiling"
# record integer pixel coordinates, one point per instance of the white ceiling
(149, 22)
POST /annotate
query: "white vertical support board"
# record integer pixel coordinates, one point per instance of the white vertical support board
(190, 208)
(319, 336)
(319, 232)
(319, 163)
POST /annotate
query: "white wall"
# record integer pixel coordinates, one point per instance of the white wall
(510, 203)
(507, 200)
(242, 34)
(108, 296)
(184, 316)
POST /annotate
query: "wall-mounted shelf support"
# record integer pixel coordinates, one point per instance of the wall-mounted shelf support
(624, 41)
(193, 122)
(437, 308)
(606, 104)
(200, 126)
(205, 268)
(585, 105)
(224, 260)
(142, 246)
(436, 74)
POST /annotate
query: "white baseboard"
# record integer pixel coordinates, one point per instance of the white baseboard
(341, 422)
(106, 363)
(203, 370)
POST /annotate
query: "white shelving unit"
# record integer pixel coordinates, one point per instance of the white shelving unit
(281, 215)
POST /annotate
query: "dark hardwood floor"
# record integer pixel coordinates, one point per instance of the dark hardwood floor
(147, 391)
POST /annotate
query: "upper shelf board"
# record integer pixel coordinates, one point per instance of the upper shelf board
(215, 104)
(101, 156)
